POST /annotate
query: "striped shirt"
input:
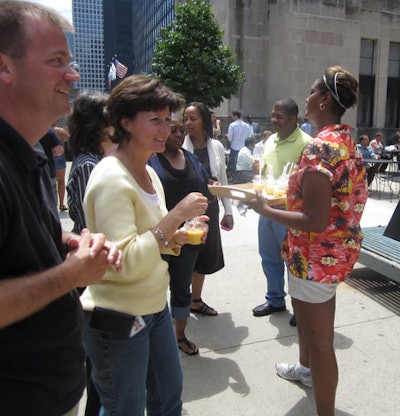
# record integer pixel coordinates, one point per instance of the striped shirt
(81, 169)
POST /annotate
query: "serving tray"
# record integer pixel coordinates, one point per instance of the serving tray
(243, 192)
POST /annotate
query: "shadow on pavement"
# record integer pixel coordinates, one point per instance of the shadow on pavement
(207, 333)
(211, 376)
(382, 290)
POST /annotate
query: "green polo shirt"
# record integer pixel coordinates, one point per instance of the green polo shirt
(277, 153)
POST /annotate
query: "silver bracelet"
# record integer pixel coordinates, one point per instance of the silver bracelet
(160, 234)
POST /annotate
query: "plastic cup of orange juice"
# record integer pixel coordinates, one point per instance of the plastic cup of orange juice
(258, 183)
(195, 229)
(279, 193)
(258, 186)
(269, 187)
(279, 189)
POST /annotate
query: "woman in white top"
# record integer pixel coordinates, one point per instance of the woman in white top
(198, 125)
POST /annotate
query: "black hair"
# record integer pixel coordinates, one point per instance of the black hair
(205, 116)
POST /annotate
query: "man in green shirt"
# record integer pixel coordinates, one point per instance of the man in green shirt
(281, 148)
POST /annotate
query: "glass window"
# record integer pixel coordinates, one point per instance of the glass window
(392, 115)
(365, 109)
(367, 56)
(394, 60)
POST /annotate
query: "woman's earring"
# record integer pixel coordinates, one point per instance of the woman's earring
(322, 107)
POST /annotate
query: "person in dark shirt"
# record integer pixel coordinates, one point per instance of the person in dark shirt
(89, 141)
(394, 139)
(41, 355)
(181, 173)
(367, 153)
(51, 147)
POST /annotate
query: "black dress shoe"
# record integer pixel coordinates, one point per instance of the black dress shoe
(293, 321)
(267, 309)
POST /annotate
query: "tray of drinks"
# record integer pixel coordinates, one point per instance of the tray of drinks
(246, 191)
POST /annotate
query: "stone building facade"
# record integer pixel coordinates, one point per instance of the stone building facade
(284, 45)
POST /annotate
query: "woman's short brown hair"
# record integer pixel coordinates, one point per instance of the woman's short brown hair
(138, 93)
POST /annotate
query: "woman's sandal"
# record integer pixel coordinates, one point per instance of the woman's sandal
(187, 346)
(204, 308)
(63, 208)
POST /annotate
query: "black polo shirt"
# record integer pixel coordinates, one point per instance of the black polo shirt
(41, 357)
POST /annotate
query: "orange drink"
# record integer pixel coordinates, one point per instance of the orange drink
(258, 186)
(258, 183)
(279, 193)
(195, 229)
(195, 236)
(269, 188)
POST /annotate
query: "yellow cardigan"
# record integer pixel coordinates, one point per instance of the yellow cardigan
(115, 205)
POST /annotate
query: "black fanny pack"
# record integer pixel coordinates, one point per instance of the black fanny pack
(113, 322)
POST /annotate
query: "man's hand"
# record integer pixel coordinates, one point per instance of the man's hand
(98, 244)
(86, 263)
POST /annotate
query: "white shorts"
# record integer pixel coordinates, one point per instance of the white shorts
(310, 291)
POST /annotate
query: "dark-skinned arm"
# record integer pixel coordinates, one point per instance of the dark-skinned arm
(317, 193)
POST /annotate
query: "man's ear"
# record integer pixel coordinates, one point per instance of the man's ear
(6, 68)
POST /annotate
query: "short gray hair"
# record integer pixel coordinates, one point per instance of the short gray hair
(13, 16)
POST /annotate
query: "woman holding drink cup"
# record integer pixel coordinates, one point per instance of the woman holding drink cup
(325, 200)
(128, 331)
(181, 173)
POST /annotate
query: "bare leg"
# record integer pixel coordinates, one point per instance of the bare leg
(180, 326)
(60, 175)
(315, 326)
(197, 288)
(304, 353)
(184, 344)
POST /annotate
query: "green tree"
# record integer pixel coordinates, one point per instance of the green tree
(191, 58)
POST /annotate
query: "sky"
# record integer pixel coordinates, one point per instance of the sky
(62, 6)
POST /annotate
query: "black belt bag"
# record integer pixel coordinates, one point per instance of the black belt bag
(113, 322)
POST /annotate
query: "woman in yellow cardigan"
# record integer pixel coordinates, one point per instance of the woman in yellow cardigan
(128, 332)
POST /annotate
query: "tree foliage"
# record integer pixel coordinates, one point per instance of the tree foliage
(191, 58)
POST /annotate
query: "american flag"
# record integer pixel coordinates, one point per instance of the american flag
(120, 68)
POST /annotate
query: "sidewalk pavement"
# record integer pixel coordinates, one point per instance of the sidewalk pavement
(234, 374)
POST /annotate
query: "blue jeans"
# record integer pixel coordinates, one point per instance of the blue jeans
(133, 373)
(270, 238)
(180, 278)
(233, 155)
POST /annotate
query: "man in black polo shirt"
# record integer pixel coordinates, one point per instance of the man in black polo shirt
(41, 354)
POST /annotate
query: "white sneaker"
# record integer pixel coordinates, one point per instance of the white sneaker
(291, 372)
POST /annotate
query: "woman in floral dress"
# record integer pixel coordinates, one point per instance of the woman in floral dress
(326, 197)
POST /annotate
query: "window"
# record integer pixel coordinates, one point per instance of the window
(392, 117)
(365, 109)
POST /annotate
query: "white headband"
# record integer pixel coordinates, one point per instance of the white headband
(335, 94)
